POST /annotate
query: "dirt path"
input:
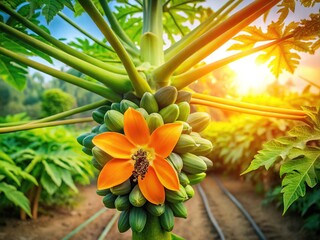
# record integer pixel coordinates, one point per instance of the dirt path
(197, 226)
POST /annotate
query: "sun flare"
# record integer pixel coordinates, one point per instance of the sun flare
(250, 76)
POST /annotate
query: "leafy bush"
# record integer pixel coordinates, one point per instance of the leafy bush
(307, 207)
(52, 156)
(10, 182)
(55, 101)
(237, 140)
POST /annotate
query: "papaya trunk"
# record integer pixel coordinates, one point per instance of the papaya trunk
(152, 230)
(30, 196)
(36, 202)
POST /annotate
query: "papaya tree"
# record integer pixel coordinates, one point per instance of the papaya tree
(146, 142)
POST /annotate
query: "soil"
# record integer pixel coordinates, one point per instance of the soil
(58, 223)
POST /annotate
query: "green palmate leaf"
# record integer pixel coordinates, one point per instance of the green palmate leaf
(285, 7)
(173, 19)
(54, 172)
(290, 5)
(280, 148)
(13, 3)
(13, 73)
(309, 29)
(16, 197)
(14, 173)
(303, 168)
(48, 184)
(9, 170)
(29, 177)
(50, 8)
(93, 49)
(271, 152)
(280, 57)
(67, 179)
(5, 157)
(61, 164)
(300, 152)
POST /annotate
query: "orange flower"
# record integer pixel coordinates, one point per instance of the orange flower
(140, 155)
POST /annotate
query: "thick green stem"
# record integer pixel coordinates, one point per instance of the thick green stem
(212, 19)
(151, 41)
(164, 72)
(92, 87)
(119, 83)
(184, 79)
(59, 44)
(115, 25)
(70, 112)
(152, 230)
(47, 124)
(140, 84)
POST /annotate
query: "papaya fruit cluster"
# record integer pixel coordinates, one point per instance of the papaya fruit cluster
(188, 158)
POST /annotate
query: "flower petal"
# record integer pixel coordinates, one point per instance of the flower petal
(151, 187)
(116, 171)
(135, 127)
(164, 138)
(166, 173)
(115, 144)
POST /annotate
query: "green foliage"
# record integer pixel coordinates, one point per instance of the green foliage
(49, 157)
(283, 57)
(309, 29)
(15, 73)
(290, 5)
(307, 207)
(50, 8)
(93, 49)
(14, 102)
(55, 101)
(11, 177)
(300, 155)
(237, 140)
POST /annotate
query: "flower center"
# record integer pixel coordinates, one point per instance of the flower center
(141, 164)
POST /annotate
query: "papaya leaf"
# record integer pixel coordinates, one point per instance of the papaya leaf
(54, 172)
(13, 3)
(9, 170)
(50, 8)
(281, 57)
(300, 152)
(13, 172)
(279, 148)
(5, 157)
(309, 29)
(48, 184)
(287, 6)
(16, 197)
(271, 152)
(299, 170)
(67, 179)
(284, 8)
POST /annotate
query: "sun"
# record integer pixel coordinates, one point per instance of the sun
(250, 77)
